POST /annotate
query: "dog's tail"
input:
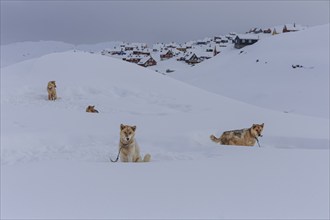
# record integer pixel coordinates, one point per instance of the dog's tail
(147, 158)
(215, 139)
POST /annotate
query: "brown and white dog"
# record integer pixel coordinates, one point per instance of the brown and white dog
(51, 89)
(91, 109)
(242, 137)
(128, 147)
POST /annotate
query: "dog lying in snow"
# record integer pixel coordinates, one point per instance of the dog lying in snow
(91, 108)
(243, 137)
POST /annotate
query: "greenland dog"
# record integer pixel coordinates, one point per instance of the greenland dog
(51, 89)
(91, 108)
(243, 137)
(128, 147)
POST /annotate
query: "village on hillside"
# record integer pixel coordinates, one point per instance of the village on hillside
(192, 52)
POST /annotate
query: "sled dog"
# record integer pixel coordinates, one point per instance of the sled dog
(242, 137)
(91, 108)
(128, 147)
(51, 89)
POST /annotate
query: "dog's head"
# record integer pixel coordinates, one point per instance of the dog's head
(51, 84)
(256, 130)
(127, 133)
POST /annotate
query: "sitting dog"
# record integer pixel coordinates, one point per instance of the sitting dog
(243, 137)
(51, 89)
(91, 108)
(128, 147)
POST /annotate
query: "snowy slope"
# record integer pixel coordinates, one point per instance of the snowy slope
(272, 82)
(17, 52)
(55, 156)
(99, 46)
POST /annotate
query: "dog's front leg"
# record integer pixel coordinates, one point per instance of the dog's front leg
(130, 158)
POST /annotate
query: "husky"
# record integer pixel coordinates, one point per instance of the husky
(242, 137)
(128, 147)
(91, 108)
(51, 89)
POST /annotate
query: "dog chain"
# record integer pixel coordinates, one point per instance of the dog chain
(117, 156)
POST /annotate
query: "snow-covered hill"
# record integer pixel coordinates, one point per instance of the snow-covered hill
(95, 48)
(55, 156)
(18, 52)
(262, 74)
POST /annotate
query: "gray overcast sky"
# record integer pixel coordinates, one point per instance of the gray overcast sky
(80, 22)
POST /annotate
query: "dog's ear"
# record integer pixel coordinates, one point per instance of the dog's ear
(134, 128)
(122, 126)
(262, 125)
(93, 106)
(254, 125)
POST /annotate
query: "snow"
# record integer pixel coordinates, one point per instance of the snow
(17, 52)
(262, 184)
(265, 77)
(55, 156)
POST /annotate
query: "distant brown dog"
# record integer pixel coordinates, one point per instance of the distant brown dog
(243, 137)
(128, 147)
(91, 109)
(51, 89)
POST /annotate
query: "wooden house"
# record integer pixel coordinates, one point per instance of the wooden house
(182, 49)
(140, 52)
(192, 59)
(289, 28)
(120, 53)
(129, 48)
(132, 59)
(267, 31)
(147, 61)
(169, 54)
(245, 40)
(201, 43)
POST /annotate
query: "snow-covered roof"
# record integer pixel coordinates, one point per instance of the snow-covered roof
(131, 56)
(145, 50)
(291, 27)
(171, 45)
(248, 36)
(144, 59)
